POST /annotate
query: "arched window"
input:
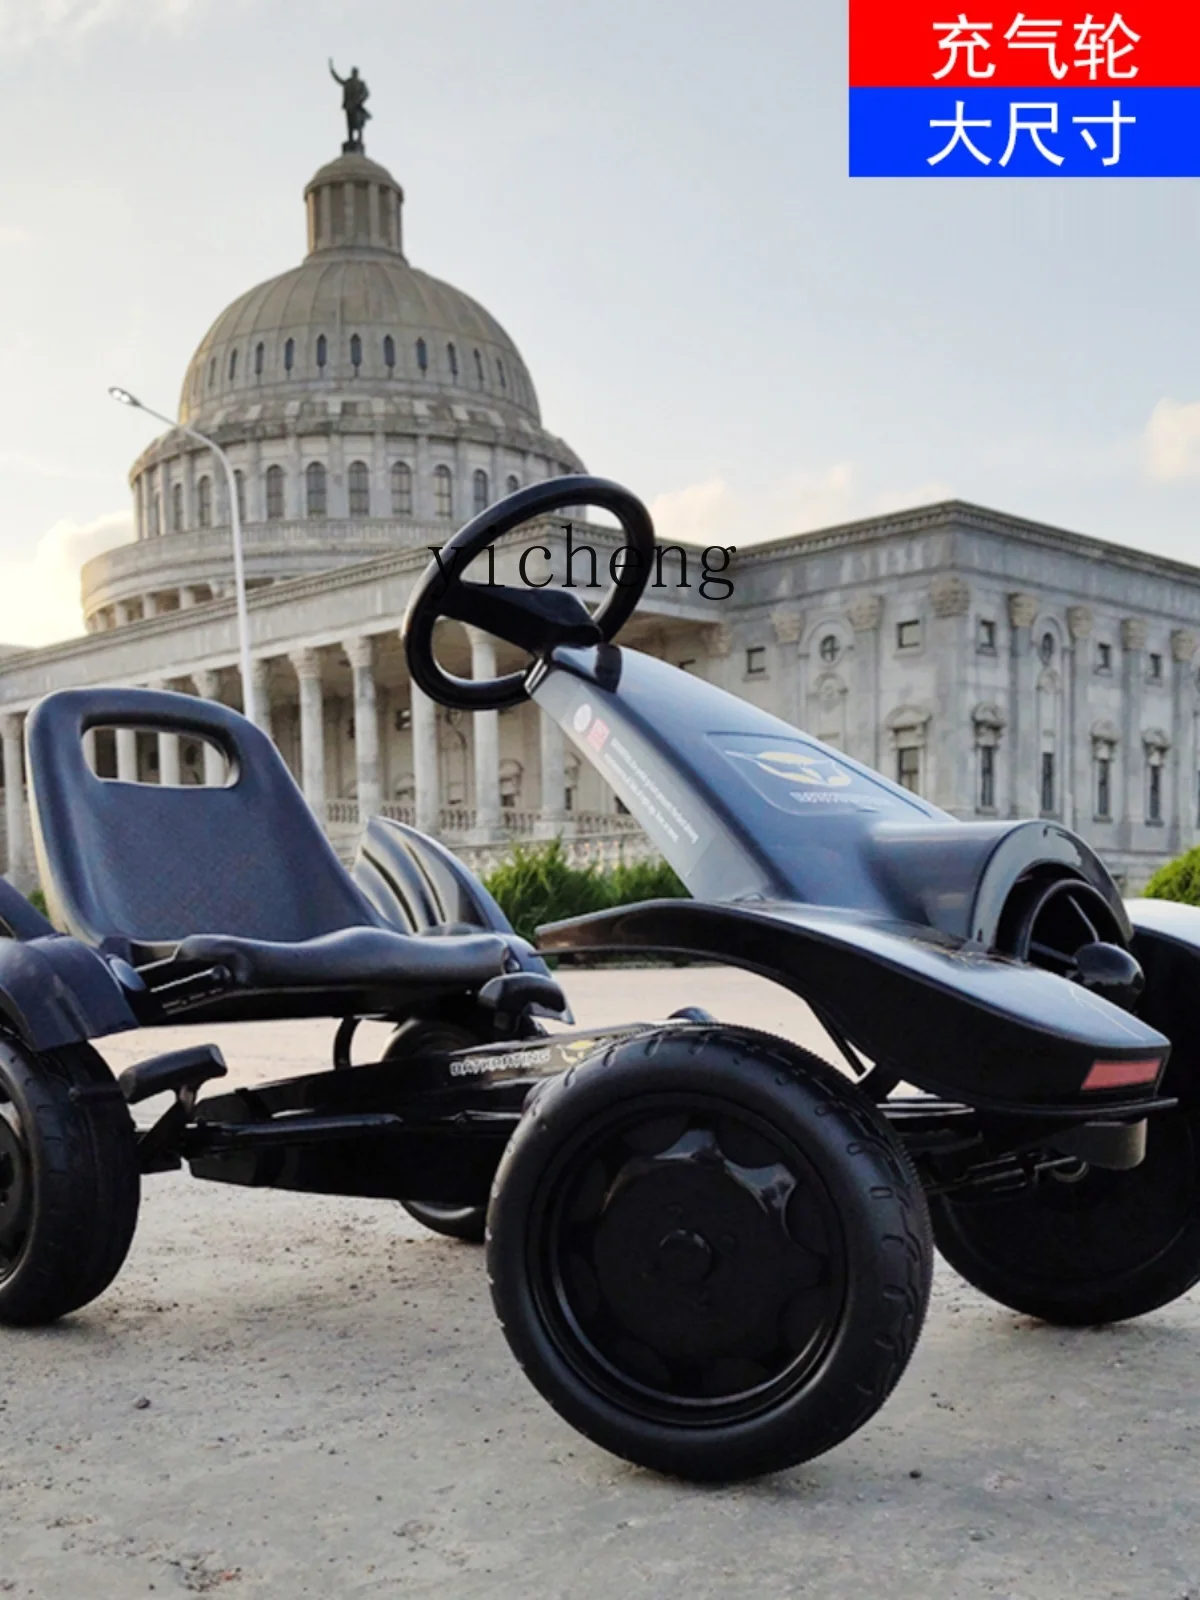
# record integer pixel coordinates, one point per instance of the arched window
(359, 479)
(452, 361)
(212, 372)
(355, 351)
(479, 487)
(512, 484)
(422, 355)
(443, 492)
(204, 502)
(176, 508)
(239, 483)
(274, 494)
(389, 351)
(479, 368)
(232, 365)
(314, 489)
(289, 355)
(402, 499)
(322, 350)
(260, 356)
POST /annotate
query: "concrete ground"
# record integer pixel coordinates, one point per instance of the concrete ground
(288, 1396)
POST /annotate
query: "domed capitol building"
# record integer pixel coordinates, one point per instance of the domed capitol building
(998, 666)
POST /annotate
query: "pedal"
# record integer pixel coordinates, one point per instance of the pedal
(168, 1074)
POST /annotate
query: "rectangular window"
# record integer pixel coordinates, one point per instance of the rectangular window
(1047, 781)
(1104, 788)
(1154, 672)
(908, 766)
(908, 635)
(756, 661)
(1104, 658)
(987, 637)
(987, 777)
(1154, 795)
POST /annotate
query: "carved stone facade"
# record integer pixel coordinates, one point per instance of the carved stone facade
(998, 666)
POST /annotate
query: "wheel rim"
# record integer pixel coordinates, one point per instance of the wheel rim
(1093, 1224)
(688, 1261)
(16, 1189)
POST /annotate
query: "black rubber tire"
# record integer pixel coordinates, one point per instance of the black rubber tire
(422, 1034)
(1102, 1248)
(467, 1223)
(859, 1201)
(71, 1186)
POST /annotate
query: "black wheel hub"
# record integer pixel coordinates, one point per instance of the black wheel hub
(691, 1259)
(15, 1191)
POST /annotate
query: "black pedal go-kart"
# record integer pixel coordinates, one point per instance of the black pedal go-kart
(710, 1250)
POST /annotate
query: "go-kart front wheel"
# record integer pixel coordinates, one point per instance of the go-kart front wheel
(1086, 1246)
(69, 1181)
(709, 1253)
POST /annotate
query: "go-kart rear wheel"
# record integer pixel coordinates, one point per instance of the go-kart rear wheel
(708, 1252)
(69, 1181)
(426, 1036)
(1087, 1246)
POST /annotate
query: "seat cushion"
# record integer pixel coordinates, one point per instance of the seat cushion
(353, 958)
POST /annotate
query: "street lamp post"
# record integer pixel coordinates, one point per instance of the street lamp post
(239, 566)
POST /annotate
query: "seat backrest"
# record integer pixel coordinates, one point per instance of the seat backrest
(129, 863)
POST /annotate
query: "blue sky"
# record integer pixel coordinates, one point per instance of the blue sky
(652, 197)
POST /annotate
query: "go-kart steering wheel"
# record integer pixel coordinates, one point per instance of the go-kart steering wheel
(535, 619)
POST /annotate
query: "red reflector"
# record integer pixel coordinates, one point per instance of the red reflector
(1122, 1074)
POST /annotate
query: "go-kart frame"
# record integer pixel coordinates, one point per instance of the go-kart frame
(710, 1250)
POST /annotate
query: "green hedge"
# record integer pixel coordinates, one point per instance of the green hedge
(1178, 880)
(536, 884)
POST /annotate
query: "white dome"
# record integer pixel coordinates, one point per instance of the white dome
(354, 316)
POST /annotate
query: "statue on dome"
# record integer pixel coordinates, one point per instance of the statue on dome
(354, 104)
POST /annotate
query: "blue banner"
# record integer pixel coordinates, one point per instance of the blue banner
(969, 132)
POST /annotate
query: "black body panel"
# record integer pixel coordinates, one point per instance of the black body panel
(55, 991)
(952, 1020)
(745, 807)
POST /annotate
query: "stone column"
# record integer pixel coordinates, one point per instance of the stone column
(865, 614)
(361, 653)
(1182, 820)
(949, 743)
(485, 728)
(169, 774)
(1077, 767)
(312, 730)
(1023, 777)
(260, 677)
(424, 730)
(127, 756)
(207, 687)
(422, 481)
(16, 867)
(1133, 641)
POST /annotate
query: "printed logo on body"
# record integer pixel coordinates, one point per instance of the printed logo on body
(997, 91)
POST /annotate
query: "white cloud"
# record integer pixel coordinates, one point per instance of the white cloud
(1171, 441)
(714, 512)
(39, 593)
(24, 23)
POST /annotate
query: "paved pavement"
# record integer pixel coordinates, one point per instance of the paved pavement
(285, 1396)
